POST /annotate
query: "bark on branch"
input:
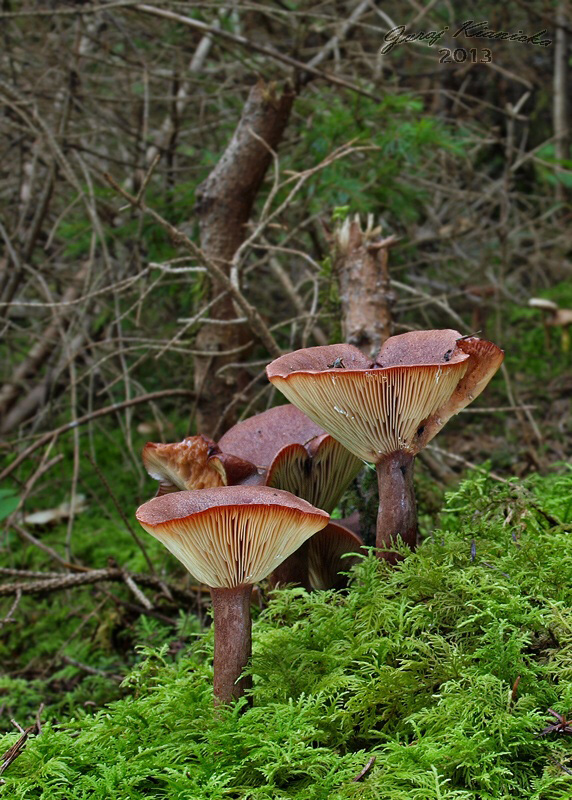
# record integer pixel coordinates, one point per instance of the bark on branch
(68, 581)
(560, 109)
(361, 265)
(224, 206)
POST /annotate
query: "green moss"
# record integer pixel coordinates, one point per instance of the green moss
(443, 668)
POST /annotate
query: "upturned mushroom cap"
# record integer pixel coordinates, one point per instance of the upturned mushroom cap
(295, 454)
(182, 465)
(327, 554)
(543, 304)
(231, 536)
(258, 439)
(562, 317)
(398, 402)
(484, 359)
(319, 472)
(193, 464)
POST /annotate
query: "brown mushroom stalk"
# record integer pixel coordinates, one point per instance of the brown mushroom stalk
(385, 411)
(397, 512)
(233, 641)
(230, 538)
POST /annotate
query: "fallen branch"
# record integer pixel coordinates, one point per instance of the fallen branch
(13, 752)
(71, 580)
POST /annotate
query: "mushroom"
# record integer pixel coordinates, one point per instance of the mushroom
(554, 317)
(328, 553)
(229, 538)
(281, 448)
(297, 455)
(293, 453)
(190, 465)
(387, 410)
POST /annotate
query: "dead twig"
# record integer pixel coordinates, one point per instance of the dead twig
(364, 771)
(136, 591)
(92, 576)
(13, 607)
(91, 670)
(68, 426)
(16, 750)
(31, 539)
(121, 513)
(467, 463)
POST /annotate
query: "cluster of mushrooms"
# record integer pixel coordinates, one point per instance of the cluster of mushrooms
(257, 504)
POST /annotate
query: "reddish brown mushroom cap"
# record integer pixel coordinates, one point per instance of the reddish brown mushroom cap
(380, 408)
(371, 411)
(328, 554)
(294, 454)
(333, 357)
(231, 536)
(319, 472)
(485, 359)
(182, 465)
(421, 347)
(258, 439)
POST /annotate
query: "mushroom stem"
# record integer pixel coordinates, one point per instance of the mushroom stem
(232, 641)
(293, 570)
(397, 514)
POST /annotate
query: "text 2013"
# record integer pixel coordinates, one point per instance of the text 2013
(460, 55)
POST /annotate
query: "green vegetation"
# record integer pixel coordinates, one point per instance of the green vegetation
(443, 669)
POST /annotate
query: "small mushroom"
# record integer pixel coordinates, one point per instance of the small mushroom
(386, 411)
(554, 317)
(328, 554)
(317, 564)
(294, 454)
(229, 538)
(192, 464)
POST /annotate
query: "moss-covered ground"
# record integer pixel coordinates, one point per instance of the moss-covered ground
(443, 668)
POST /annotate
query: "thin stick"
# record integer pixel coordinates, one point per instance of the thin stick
(13, 607)
(121, 513)
(29, 537)
(136, 591)
(91, 670)
(255, 321)
(365, 770)
(467, 463)
(254, 46)
(145, 398)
